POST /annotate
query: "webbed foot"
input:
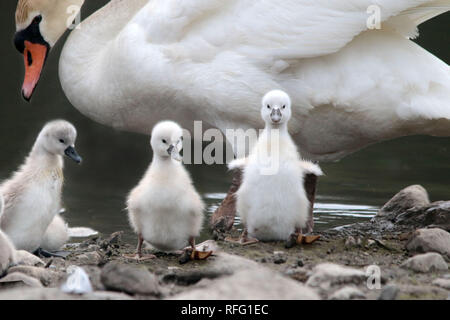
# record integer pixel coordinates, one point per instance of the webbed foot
(47, 254)
(191, 254)
(142, 257)
(241, 240)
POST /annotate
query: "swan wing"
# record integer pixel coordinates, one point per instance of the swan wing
(289, 29)
(213, 60)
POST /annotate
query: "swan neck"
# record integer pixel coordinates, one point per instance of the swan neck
(161, 162)
(282, 128)
(40, 157)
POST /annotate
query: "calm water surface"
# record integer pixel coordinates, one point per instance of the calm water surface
(95, 192)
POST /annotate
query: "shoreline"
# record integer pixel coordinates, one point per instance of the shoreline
(341, 265)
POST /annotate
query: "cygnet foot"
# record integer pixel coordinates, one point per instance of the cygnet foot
(309, 239)
(142, 257)
(192, 254)
(243, 240)
(292, 240)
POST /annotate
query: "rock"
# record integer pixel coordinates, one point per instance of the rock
(430, 240)
(347, 293)
(56, 294)
(426, 262)
(299, 274)
(45, 276)
(279, 257)
(436, 214)
(218, 265)
(106, 295)
(114, 240)
(256, 284)
(27, 259)
(389, 292)
(132, 280)
(350, 242)
(410, 197)
(89, 258)
(327, 275)
(19, 279)
(58, 264)
(443, 283)
(422, 292)
(35, 294)
(226, 264)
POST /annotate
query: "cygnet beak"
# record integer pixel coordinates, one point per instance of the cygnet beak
(174, 153)
(276, 115)
(72, 154)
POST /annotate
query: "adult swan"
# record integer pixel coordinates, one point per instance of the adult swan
(136, 62)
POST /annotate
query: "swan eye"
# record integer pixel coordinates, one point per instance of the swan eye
(37, 19)
(268, 106)
(284, 107)
(62, 141)
(164, 141)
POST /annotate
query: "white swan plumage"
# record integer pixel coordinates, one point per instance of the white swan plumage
(136, 62)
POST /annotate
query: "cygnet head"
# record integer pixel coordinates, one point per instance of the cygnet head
(276, 107)
(167, 140)
(58, 138)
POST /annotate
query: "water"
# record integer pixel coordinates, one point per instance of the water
(95, 192)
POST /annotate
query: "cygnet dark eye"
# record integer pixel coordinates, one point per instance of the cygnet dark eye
(62, 141)
(268, 106)
(164, 141)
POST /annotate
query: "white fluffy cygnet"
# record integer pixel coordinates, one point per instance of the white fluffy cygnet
(56, 235)
(33, 194)
(7, 250)
(271, 200)
(164, 209)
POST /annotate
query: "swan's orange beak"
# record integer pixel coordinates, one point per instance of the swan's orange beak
(34, 55)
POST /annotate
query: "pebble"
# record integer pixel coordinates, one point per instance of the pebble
(327, 275)
(389, 292)
(18, 278)
(89, 258)
(259, 284)
(45, 276)
(426, 262)
(430, 240)
(132, 280)
(279, 257)
(443, 283)
(409, 197)
(348, 293)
